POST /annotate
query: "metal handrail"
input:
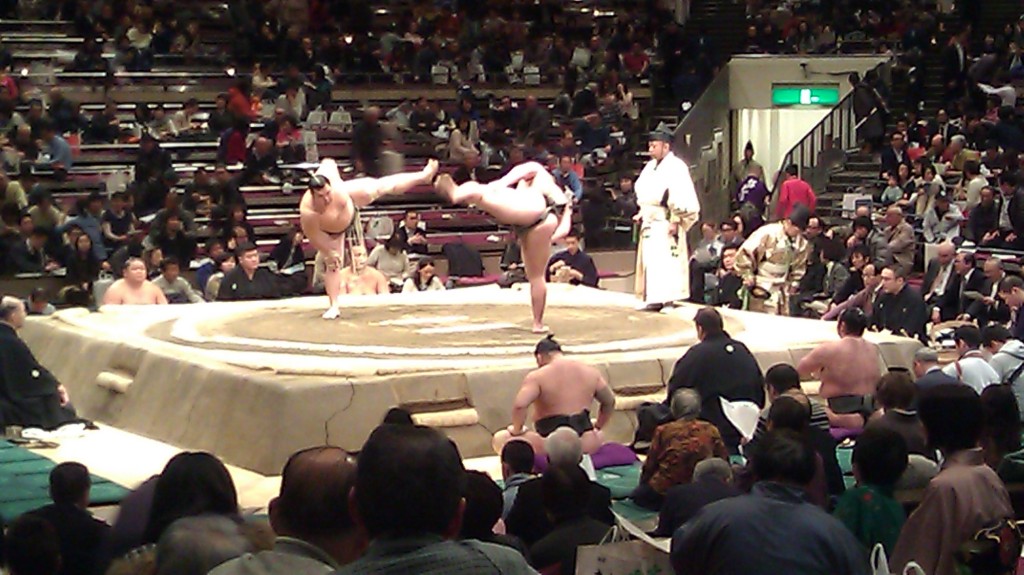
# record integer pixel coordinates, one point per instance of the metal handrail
(839, 124)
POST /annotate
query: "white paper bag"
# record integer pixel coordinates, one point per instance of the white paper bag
(622, 558)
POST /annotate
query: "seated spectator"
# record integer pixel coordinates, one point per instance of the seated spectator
(118, 222)
(483, 513)
(970, 188)
(134, 288)
(413, 233)
(516, 469)
(595, 139)
(783, 380)
(1001, 439)
(55, 152)
(942, 222)
(463, 140)
(869, 510)
(32, 547)
(527, 520)
(260, 163)
(152, 256)
(161, 125)
(29, 256)
(288, 261)
(572, 265)
(152, 160)
(899, 235)
(358, 278)
(184, 121)
(565, 496)
(176, 288)
(865, 234)
(89, 219)
(423, 278)
(45, 214)
(289, 142)
(712, 481)
(83, 269)
(315, 530)
(408, 499)
(727, 289)
(719, 367)
(11, 191)
(173, 240)
(391, 260)
(719, 539)
(793, 413)
(223, 263)
(566, 177)
(30, 396)
(38, 303)
(220, 118)
(897, 396)
(293, 101)
(900, 308)
(104, 126)
(194, 545)
(470, 170)
(970, 367)
(423, 119)
(676, 449)
(80, 535)
(965, 496)
(248, 281)
(983, 221)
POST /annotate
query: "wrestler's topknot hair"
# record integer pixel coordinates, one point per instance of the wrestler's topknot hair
(547, 345)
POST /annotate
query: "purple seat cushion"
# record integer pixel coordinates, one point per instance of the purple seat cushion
(842, 433)
(609, 455)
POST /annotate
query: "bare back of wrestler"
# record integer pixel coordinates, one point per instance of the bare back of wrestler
(328, 210)
(529, 199)
(849, 370)
(561, 392)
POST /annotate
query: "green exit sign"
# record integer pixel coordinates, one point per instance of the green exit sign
(798, 95)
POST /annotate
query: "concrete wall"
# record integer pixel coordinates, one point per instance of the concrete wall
(751, 76)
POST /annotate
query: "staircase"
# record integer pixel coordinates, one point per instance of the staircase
(860, 169)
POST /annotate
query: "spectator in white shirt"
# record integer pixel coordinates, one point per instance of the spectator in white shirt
(942, 222)
(971, 368)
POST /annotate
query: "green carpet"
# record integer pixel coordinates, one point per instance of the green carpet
(25, 478)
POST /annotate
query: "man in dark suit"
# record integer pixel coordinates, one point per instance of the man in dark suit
(413, 233)
(527, 519)
(954, 67)
(81, 535)
(928, 371)
(941, 126)
(895, 155)
(969, 282)
(1012, 226)
(29, 256)
(900, 309)
(990, 307)
(712, 481)
(940, 284)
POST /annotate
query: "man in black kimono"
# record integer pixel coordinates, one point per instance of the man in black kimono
(718, 367)
(901, 309)
(30, 396)
(248, 281)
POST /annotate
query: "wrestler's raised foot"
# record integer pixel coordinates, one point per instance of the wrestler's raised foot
(446, 185)
(430, 171)
(331, 313)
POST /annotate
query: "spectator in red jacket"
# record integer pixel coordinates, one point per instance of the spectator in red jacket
(794, 191)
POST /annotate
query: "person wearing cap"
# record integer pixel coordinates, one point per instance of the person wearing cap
(848, 370)
(942, 222)
(330, 208)
(561, 391)
(773, 260)
(668, 208)
(747, 167)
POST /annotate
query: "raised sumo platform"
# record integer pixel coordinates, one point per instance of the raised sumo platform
(254, 382)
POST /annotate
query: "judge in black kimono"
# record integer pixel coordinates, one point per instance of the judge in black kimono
(30, 396)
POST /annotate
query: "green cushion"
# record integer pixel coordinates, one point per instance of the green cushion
(620, 479)
(633, 512)
(25, 482)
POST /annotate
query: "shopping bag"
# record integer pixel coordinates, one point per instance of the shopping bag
(880, 564)
(619, 557)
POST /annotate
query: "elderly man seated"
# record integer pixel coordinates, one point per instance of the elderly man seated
(561, 391)
(30, 396)
(676, 449)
